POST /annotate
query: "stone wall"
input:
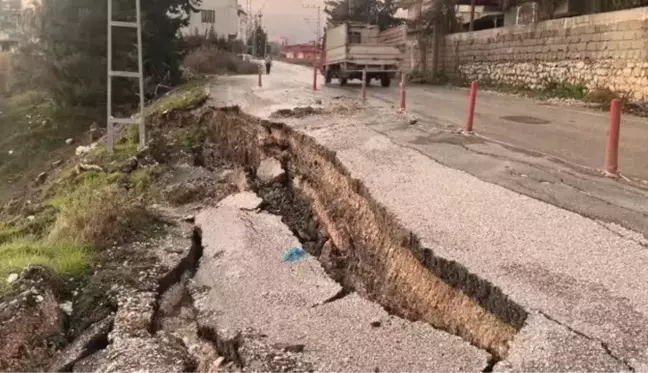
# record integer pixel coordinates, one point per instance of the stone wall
(606, 50)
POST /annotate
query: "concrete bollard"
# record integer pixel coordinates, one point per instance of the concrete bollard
(403, 93)
(472, 102)
(612, 152)
(364, 87)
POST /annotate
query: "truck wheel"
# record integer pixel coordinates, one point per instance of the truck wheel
(385, 81)
(343, 81)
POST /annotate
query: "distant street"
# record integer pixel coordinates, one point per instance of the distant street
(576, 135)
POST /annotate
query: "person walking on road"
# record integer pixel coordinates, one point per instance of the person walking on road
(268, 63)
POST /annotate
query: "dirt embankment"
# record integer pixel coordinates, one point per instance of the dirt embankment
(146, 320)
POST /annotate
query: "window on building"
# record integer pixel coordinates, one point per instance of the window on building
(355, 37)
(527, 13)
(208, 16)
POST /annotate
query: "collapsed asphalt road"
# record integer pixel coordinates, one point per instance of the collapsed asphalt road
(292, 306)
(582, 281)
(346, 250)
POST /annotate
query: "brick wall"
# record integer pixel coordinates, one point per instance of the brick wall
(606, 50)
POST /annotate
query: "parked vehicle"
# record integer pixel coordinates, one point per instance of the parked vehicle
(246, 57)
(351, 48)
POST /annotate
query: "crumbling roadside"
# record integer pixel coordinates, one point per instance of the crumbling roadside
(247, 310)
(106, 317)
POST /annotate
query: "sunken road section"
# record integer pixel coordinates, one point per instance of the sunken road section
(358, 242)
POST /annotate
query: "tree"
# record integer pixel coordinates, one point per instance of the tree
(63, 49)
(611, 5)
(374, 12)
(275, 48)
(547, 8)
(9, 19)
(436, 20)
(258, 39)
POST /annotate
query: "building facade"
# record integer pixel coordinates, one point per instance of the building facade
(242, 24)
(225, 17)
(10, 14)
(303, 52)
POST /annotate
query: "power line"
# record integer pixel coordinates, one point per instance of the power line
(318, 7)
(262, 6)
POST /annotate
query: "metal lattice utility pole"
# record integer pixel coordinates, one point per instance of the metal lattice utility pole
(254, 37)
(248, 24)
(471, 27)
(318, 21)
(139, 117)
(255, 32)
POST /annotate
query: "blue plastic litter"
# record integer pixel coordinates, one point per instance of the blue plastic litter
(294, 254)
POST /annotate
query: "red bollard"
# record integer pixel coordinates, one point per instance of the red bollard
(612, 153)
(314, 76)
(364, 87)
(403, 94)
(260, 73)
(471, 107)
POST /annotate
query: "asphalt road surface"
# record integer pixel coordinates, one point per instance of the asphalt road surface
(577, 135)
(574, 255)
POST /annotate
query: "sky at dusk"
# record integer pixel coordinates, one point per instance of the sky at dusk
(286, 18)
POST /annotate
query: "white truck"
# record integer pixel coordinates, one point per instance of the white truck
(351, 48)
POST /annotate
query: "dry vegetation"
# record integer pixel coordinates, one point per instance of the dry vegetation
(65, 222)
(211, 60)
(209, 54)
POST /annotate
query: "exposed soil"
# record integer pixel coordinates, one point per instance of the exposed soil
(360, 244)
(298, 112)
(305, 111)
(56, 323)
(137, 310)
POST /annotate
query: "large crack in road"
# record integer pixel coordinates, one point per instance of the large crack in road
(369, 296)
(359, 244)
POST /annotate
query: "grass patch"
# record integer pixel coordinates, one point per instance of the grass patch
(601, 96)
(565, 90)
(34, 227)
(32, 134)
(185, 97)
(423, 77)
(68, 258)
(121, 152)
(552, 89)
(143, 180)
(101, 217)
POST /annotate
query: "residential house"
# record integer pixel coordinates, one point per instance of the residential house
(488, 13)
(304, 52)
(223, 16)
(242, 25)
(523, 12)
(11, 11)
(498, 13)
